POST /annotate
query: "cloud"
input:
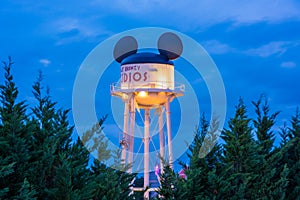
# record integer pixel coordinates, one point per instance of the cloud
(69, 29)
(270, 49)
(45, 62)
(266, 50)
(73, 26)
(216, 47)
(289, 64)
(191, 13)
(264, 10)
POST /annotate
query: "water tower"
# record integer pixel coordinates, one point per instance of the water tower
(147, 82)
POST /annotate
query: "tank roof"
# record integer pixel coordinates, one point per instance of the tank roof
(146, 57)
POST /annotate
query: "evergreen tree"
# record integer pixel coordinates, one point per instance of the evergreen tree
(111, 183)
(170, 185)
(239, 157)
(284, 134)
(292, 153)
(107, 182)
(286, 164)
(52, 138)
(263, 124)
(203, 173)
(197, 179)
(73, 178)
(15, 139)
(5, 170)
(39, 159)
(62, 163)
(94, 141)
(294, 131)
(26, 192)
(278, 184)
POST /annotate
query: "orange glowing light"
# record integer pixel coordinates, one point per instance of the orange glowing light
(142, 94)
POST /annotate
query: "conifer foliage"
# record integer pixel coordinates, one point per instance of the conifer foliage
(245, 164)
(40, 159)
(16, 141)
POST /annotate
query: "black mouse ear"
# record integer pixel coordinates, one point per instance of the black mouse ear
(126, 46)
(170, 45)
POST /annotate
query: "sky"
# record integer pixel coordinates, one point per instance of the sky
(255, 44)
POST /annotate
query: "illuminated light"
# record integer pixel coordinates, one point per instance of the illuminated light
(142, 94)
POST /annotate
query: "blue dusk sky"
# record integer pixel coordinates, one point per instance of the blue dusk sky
(255, 44)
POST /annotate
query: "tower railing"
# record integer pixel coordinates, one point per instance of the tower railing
(147, 86)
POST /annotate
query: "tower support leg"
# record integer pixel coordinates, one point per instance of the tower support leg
(169, 131)
(131, 134)
(124, 141)
(146, 151)
(161, 138)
